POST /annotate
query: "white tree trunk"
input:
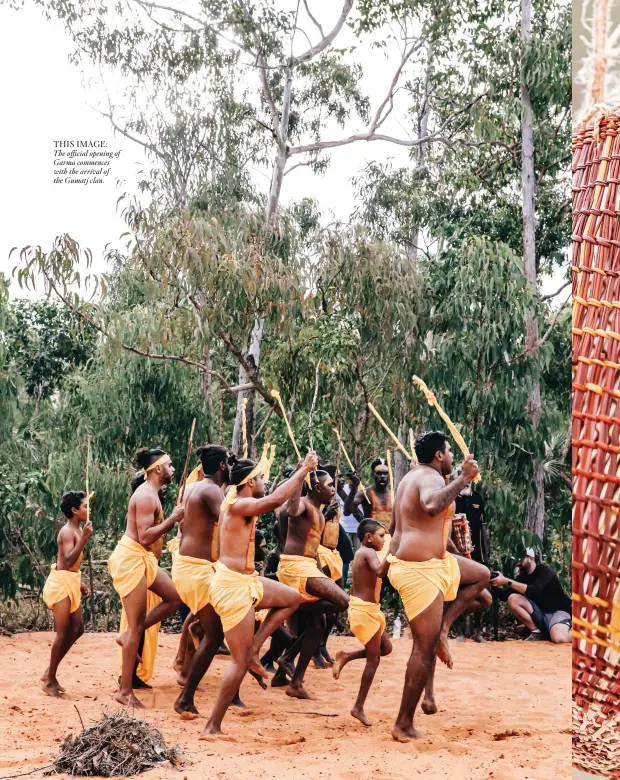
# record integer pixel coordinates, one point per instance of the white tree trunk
(253, 354)
(535, 513)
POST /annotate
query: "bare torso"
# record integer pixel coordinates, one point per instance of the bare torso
(200, 524)
(67, 532)
(236, 538)
(365, 584)
(147, 495)
(304, 532)
(419, 536)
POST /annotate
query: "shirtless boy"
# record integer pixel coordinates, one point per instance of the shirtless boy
(63, 588)
(134, 567)
(366, 620)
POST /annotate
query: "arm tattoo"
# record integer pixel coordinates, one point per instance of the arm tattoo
(445, 497)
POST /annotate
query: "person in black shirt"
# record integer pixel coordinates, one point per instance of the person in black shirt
(538, 600)
(471, 504)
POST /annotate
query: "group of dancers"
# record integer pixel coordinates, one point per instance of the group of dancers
(406, 537)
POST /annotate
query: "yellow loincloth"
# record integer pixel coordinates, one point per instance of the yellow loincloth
(61, 584)
(419, 582)
(173, 547)
(129, 562)
(295, 570)
(385, 550)
(331, 559)
(365, 619)
(192, 578)
(233, 594)
(149, 651)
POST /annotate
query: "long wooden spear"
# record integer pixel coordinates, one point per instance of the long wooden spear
(189, 455)
(275, 394)
(392, 435)
(88, 557)
(456, 434)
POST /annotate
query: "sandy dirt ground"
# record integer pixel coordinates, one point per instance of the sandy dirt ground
(504, 713)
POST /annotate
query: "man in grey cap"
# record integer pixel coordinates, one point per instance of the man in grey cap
(537, 599)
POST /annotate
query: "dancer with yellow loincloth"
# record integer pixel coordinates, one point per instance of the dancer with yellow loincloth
(299, 568)
(194, 564)
(147, 649)
(133, 565)
(424, 573)
(236, 590)
(366, 620)
(331, 563)
(63, 588)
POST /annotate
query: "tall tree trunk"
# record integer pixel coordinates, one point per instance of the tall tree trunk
(253, 354)
(535, 513)
(422, 149)
(207, 386)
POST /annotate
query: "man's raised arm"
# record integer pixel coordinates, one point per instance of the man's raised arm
(434, 501)
(250, 507)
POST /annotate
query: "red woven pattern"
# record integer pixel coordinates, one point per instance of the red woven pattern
(596, 444)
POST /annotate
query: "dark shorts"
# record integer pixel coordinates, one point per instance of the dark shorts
(545, 621)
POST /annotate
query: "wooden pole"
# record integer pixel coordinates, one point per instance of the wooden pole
(392, 435)
(87, 552)
(189, 455)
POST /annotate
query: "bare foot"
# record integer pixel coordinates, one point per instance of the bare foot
(339, 663)
(260, 680)
(140, 684)
(326, 656)
(285, 664)
(257, 667)
(129, 700)
(298, 691)
(177, 666)
(210, 730)
(280, 679)
(401, 734)
(428, 706)
(360, 715)
(443, 651)
(186, 711)
(43, 678)
(51, 689)
(317, 660)
(236, 702)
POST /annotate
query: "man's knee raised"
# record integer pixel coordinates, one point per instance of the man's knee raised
(513, 601)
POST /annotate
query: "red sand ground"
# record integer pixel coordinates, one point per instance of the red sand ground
(504, 713)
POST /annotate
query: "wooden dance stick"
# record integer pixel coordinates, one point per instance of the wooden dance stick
(348, 459)
(189, 455)
(388, 460)
(275, 394)
(412, 445)
(389, 432)
(244, 432)
(456, 434)
(87, 553)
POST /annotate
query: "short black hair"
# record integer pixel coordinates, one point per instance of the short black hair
(70, 501)
(367, 526)
(377, 462)
(428, 444)
(145, 457)
(241, 469)
(211, 456)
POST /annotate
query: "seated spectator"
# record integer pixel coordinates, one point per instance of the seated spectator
(537, 599)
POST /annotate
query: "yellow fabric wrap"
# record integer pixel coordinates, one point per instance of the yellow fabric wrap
(419, 582)
(173, 547)
(331, 559)
(295, 570)
(192, 578)
(61, 584)
(261, 615)
(129, 562)
(365, 619)
(149, 651)
(233, 594)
